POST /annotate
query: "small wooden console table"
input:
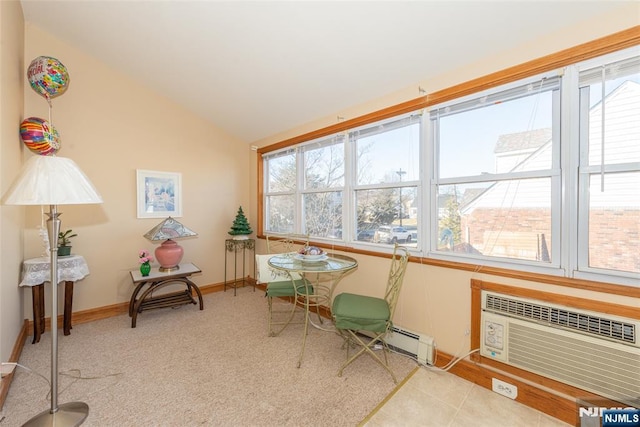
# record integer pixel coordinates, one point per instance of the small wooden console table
(157, 280)
(37, 271)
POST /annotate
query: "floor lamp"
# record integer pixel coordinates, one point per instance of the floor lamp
(53, 181)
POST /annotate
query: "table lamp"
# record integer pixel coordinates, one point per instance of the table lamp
(169, 253)
(51, 180)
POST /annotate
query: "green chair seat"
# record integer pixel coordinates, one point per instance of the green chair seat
(284, 288)
(360, 312)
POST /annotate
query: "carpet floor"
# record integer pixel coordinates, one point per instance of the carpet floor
(186, 367)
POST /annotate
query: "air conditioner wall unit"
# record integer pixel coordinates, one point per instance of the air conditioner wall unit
(593, 351)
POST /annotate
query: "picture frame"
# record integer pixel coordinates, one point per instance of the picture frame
(159, 194)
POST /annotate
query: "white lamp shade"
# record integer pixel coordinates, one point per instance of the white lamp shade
(51, 180)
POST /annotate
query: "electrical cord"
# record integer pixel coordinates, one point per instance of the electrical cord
(66, 374)
(79, 376)
(452, 362)
(445, 368)
(26, 369)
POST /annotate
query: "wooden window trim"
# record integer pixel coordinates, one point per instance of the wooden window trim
(589, 50)
(593, 49)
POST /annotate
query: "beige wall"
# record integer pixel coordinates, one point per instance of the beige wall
(11, 217)
(110, 126)
(434, 300)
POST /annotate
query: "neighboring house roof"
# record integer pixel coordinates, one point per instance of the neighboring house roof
(535, 153)
(528, 140)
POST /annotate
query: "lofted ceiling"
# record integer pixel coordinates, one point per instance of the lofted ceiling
(258, 68)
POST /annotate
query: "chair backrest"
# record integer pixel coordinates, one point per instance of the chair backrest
(399, 261)
(284, 243)
(265, 273)
(276, 244)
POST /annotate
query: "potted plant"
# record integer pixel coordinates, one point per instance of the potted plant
(64, 240)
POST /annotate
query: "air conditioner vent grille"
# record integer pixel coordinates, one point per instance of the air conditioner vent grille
(589, 365)
(572, 320)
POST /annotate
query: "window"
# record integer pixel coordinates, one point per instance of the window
(323, 169)
(496, 178)
(387, 182)
(609, 178)
(383, 187)
(280, 186)
(538, 175)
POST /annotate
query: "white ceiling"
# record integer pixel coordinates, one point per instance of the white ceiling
(258, 68)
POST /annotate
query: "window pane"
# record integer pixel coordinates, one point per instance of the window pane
(382, 209)
(621, 118)
(614, 222)
(281, 175)
(280, 213)
(496, 138)
(323, 214)
(610, 107)
(509, 219)
(390, 155)
(324, 166)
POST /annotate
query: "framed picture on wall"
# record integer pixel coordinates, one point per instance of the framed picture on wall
(159, 194)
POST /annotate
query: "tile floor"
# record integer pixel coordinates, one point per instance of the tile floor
(431, 398)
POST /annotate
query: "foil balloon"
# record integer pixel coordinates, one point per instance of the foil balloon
(48, 77)
(39, 136)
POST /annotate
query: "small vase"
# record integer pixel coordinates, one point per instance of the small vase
(145, 269)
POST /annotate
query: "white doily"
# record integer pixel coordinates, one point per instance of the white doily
(36, 270)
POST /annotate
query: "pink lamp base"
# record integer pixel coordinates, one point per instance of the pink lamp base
(169, 254)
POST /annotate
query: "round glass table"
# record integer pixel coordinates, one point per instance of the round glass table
(335, 265)
(330, 269)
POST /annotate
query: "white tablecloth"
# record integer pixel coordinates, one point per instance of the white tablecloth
(36, 270)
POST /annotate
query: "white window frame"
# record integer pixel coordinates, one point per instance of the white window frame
(569, 250)
(579, 253)
(554, 174)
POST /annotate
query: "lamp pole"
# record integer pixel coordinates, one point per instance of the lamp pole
(400, 172)
(53, 181)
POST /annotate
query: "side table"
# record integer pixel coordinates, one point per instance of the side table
(157, 280)
(36, 271)
(237, 247)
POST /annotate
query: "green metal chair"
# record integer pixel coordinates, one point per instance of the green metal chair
(278, 284)
(364, 321)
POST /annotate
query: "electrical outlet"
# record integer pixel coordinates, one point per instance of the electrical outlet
(467, 332)
(504, 388)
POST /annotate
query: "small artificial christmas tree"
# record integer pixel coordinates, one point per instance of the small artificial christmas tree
(240, 225)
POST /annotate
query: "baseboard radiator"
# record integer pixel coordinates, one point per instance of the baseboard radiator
(419, 346)
(593, 351)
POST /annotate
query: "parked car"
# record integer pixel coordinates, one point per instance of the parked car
(392, 234)
(413, 230)
(366, 235)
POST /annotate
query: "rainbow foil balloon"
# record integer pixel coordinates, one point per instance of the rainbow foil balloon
(48, 77)
(39, 136)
